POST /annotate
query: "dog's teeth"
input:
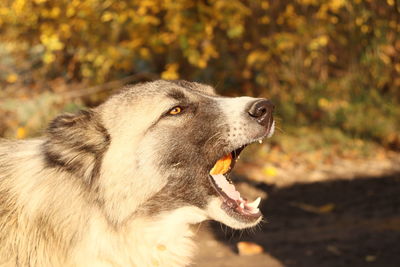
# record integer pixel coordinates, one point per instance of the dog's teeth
(254, 204)
(241, 205)
(255, 211)
(260, 141)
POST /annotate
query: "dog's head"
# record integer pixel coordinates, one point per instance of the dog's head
(165, 145)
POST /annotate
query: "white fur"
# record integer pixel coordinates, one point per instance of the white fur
(235, 108)
(272, 130)
(117, 183)
(164, 241)
(237, 119)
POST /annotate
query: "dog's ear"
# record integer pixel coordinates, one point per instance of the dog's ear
(76, 144)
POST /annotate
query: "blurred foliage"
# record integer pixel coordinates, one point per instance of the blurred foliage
(326, 63)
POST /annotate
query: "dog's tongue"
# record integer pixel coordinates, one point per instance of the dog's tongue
(228, 188)
(217, 173)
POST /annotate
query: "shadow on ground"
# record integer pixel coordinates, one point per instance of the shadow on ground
(332, 224)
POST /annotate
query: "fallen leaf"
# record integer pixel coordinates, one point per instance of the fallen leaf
(270, 171)
(370, 258)
(249, 248)
(12, 78)
(21, 133)
(333, 250)
(314, 209)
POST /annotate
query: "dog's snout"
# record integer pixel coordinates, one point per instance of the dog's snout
(261, 110)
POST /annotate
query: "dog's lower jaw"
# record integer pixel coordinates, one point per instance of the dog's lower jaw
(215, 211)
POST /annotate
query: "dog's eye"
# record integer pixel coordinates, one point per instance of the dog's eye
(176, 110)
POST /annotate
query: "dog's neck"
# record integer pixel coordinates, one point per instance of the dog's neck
(164, 240)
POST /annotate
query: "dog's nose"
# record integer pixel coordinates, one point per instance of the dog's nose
(261, 110)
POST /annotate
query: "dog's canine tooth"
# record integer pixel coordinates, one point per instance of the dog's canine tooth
(254, 204)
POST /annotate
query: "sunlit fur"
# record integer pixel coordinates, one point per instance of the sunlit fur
(120, 184)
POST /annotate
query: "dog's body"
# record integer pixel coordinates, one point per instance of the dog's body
(121, 184)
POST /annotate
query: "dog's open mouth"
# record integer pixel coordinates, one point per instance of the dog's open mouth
(233, 203)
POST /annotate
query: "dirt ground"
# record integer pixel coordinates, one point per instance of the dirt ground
(329, 223)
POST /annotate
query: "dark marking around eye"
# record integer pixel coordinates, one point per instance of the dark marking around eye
(183, 83)
(178, 95)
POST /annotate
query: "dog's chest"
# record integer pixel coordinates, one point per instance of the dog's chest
(151, 247)
(164, 242)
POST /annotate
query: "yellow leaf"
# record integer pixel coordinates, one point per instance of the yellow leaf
(247, 45)
(107, 16)
(334, 19)
(397, 67)
(202, 63)
(384, 58)
(144, 53)
(370, 258)
(142, 11)
(359, 21)
(315, 209)
(326, 208)
(51, 42)
(323, 40)
(66, 30)
(308, 2)
(332, 58)
(70, 11)
(270, 171)
(55, 12)
(171, 72)
(48, 58)
(323, 103)
(12, 78)
(390, 2)
(21, 132)
(307, 62)
(364, 28)
(249, 248)
(335, 5)
(257, 56)
(86, 72)
(318, 42)
(265, 5)
(265, 20)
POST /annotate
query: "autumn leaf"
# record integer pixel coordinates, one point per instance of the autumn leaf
(170, 72)
(327, 208)
(21, 133)
(270, 171)
(249, 248)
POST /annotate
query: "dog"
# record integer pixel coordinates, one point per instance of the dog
(122, 183)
